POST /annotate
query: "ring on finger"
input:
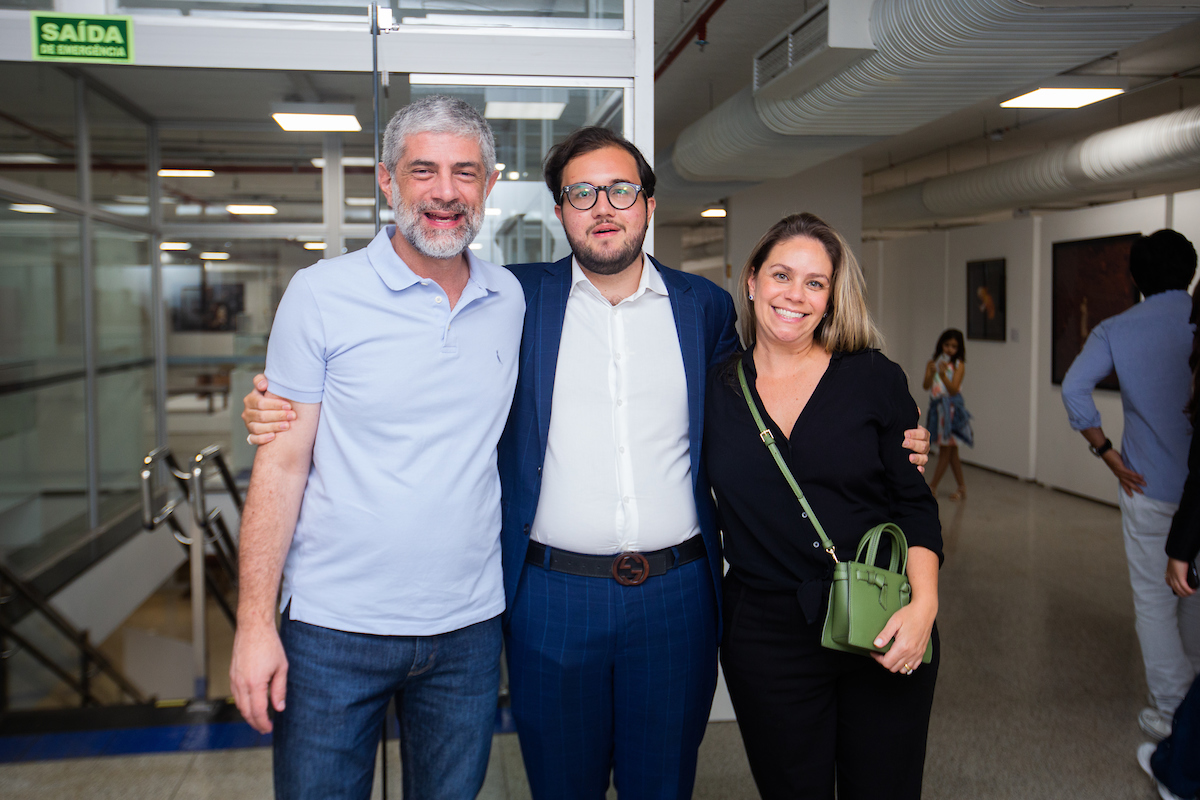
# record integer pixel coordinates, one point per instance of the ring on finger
(248, 439)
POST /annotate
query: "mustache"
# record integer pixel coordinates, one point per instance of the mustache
(445, 208)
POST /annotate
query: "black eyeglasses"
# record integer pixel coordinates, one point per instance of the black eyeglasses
(582, 196)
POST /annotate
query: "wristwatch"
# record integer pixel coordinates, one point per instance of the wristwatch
(1099, 452)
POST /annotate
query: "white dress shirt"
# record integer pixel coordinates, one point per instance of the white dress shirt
(617, 475)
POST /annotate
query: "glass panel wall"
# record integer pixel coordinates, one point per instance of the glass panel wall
(220, 313)
(43, 479)
(125, 347)
(37, 126)
(120, 183)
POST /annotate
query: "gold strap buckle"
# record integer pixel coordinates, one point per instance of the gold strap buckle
(767, 437)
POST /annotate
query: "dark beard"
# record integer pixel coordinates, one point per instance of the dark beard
(611, 265)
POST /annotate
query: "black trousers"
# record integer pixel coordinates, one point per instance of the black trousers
(811, 717)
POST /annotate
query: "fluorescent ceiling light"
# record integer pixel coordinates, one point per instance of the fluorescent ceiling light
(31, 208)
(347, 161)
(315, 116)
(499, 168)
(475, 246)
(318, 122)
(491, 212)
(214, 256)
(360, 201)
(175, 246)
(314, 245)
(129, 198)
(186, 173)
(713, 213)
(188, 210)
(1050, 97)
(26, 158)
(501, 109)
(125, 210)
(234, 208)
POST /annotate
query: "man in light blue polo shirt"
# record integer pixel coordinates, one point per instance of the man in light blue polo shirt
(1148, 346)
(382, 509)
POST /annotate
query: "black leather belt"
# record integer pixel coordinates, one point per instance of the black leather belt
(627, 569)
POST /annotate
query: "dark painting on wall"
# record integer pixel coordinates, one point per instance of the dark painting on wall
(209, 307)
(1091, 284)
(985, 300)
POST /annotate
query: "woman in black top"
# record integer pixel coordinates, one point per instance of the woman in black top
(813, 718)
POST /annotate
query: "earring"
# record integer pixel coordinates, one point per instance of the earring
(751, 298)
(826, 314)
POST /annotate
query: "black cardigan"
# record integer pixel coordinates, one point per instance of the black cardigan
(1183, 542)
(845, 452)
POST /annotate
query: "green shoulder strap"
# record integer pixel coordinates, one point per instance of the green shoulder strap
(768, 438)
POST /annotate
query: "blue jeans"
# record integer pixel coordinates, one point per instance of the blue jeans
(338, 688)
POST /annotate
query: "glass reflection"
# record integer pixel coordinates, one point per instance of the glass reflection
(37, 127)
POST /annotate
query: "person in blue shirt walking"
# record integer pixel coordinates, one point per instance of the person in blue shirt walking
(1148, 346)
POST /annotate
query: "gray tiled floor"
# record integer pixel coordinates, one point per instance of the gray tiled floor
(1039, 691)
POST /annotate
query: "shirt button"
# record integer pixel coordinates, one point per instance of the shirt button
(618, 356)
(625, 499)
(437, 299)
(620, 449)
(620, 402)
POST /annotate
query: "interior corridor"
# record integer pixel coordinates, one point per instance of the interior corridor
(1041, 678)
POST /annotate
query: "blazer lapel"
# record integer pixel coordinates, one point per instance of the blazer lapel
(689, 325)
(552, 309)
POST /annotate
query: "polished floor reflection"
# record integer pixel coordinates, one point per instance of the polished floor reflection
(1040, 685)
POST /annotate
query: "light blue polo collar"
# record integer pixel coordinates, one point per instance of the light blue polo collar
(397, 275)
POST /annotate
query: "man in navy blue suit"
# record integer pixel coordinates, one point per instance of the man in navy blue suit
(612, 562)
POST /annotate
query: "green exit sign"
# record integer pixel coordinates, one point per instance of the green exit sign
(82, 37)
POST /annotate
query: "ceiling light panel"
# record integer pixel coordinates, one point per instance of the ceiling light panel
(347, 161)
(175, 246)
(31, 208)
(515, 109)
(235, 208)
(214, 256)
(315, 116)
(186, 173)
(713, 213)
(1051, 97)
(26, 158)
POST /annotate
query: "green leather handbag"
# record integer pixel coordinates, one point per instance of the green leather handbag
(863, 596)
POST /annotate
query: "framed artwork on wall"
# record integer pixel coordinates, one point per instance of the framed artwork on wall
(1091, 284)
(986, 284)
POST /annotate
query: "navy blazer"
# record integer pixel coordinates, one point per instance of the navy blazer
(704, 321)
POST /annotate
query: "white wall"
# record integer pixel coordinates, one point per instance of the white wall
(919, 289)
(832, 191)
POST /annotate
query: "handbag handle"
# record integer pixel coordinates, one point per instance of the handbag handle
(768, 438)
(872, 541)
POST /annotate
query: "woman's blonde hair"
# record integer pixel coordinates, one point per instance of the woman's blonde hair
(847, 326)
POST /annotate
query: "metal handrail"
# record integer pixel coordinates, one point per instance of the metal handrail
(88, 652)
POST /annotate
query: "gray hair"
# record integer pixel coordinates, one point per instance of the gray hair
(437, 114)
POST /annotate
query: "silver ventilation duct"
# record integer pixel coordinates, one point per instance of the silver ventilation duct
(1160, 147)
(932, 57)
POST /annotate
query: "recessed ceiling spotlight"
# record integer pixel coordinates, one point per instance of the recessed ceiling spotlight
(514, 175)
